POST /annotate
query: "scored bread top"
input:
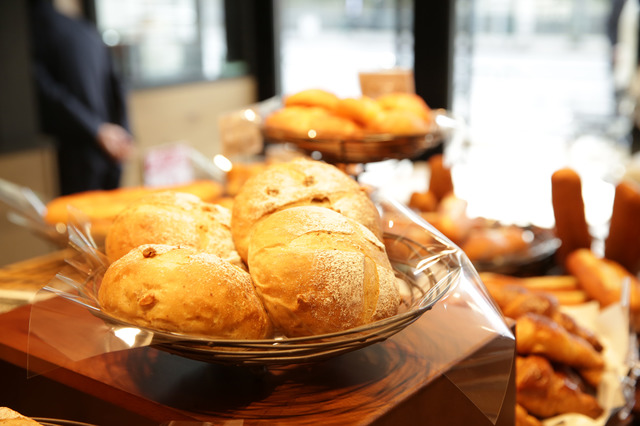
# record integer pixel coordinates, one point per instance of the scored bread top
(299, 182)
(173, 218)
(318, 271)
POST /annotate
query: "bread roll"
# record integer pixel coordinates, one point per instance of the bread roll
(173, 218)
(103, 206)
(299, 182)
(181, 289)
(313, 97)
(406, 102)
(602, 278)
(398, 122)
(318, 272)
(363, 110)
(568, 209)
(623, 242)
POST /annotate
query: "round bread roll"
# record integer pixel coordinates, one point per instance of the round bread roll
(363, 111)
(318, 272)
(299, 182)
(313, 97)
(398, 122)
(173, 218)
(102, 206)
(406, 102)
(311, 122)
(181, 289)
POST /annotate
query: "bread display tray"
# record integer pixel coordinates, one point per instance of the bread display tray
(429, 273)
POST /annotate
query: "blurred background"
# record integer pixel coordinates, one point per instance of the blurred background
(540, 84)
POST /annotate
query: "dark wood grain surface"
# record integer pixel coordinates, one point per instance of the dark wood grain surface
(398, 381)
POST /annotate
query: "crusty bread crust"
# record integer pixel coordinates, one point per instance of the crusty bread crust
(183, 290)
(318, 271)
(172, 218)
(103, 206)
(294, 183)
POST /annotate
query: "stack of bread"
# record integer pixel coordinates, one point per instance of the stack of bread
(299, 254)
(317, 113)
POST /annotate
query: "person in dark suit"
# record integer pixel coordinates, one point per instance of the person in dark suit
(81, 100)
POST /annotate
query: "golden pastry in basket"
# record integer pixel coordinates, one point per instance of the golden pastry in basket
(173, 218)
(363, 110)
(398, 122)
(313, 97)
(410, 102)
(311, 122)
(299, 182)
(102, 207)
(318, 271)
(181, 289)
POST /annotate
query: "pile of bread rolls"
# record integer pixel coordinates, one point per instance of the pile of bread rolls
(317, 113)
(298, 254)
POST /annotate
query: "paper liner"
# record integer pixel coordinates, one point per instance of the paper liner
(478, 355)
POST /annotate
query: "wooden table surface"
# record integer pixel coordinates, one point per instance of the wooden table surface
(392, 382)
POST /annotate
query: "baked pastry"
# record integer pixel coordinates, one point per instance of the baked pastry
(313, 97)
(311, 122)
(540, 335)
(172, 218)
(102, 207)
(183, 290)
(318, 272)
(623, 242)
(398, 122)
(409, 102)
(568, 209)
(363, 110)
(299, 182)
(602, 279)
(544, 392)
(9, 417)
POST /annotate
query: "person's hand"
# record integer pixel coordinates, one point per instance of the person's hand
(115, 141)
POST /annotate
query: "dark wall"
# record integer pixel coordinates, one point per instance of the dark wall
(18, 117)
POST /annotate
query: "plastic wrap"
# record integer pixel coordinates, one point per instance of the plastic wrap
(441, 287)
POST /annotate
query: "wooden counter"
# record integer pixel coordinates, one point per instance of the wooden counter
(388, 383)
